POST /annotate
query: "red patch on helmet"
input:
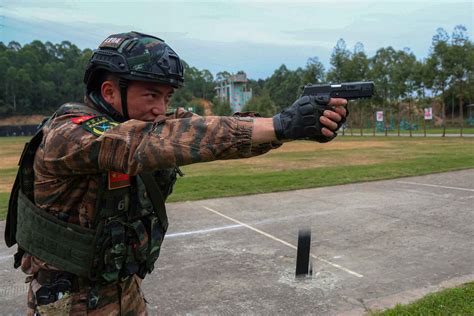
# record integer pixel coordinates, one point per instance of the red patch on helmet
(81, 119)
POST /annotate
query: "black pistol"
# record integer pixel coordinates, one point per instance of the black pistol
(346, 90)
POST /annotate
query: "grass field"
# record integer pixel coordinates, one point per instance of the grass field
(304, 165)
(456, 301)
(296, 165)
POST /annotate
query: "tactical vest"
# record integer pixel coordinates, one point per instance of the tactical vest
(128, 228)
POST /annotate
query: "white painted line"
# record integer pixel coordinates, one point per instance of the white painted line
(335, 265)
(3, 258)
(13, 290)
(202, 231)
(436, 186)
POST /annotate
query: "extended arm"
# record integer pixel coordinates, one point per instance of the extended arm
(136, 146)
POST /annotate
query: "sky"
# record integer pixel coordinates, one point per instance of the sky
(256, 37)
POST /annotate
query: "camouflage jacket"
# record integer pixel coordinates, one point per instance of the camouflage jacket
(71, 159)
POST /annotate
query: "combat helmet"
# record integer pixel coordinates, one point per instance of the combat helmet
(134, 56)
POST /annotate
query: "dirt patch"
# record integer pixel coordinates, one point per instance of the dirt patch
(6, 184)
(266, 163)
(9, 161)
(262, 164)
(10, 154)
(273, 161)
(22, 120)
(335, 145)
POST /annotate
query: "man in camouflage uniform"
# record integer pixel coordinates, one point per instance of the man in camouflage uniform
(91, 188)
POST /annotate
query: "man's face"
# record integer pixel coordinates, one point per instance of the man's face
(145, 100)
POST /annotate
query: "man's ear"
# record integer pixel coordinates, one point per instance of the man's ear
(110, 92)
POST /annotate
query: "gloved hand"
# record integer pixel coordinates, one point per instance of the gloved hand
(302, 120)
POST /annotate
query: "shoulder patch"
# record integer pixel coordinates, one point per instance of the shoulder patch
(81, 119)
(97, 125)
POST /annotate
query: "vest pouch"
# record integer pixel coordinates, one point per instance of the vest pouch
(145, 239)
(126, 247)
(68, 247)
(114, 256)
(140, 244)
(137, 250)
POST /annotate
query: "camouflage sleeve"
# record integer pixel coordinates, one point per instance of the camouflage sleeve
(136, 146)
(257, 149)
(260, 148)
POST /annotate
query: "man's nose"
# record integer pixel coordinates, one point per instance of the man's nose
(156, 111)
(159, 107)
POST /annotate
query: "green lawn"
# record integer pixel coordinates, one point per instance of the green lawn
(195, 188)
(455, 301)
(385, 158)
(4, 196)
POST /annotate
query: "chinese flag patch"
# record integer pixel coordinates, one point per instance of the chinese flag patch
(118, 180)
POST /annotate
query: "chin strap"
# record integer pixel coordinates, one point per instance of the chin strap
(103, 106)
(123, 84)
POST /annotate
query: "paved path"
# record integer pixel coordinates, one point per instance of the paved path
(373, 244)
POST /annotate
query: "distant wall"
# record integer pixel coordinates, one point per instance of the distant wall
(18, 130)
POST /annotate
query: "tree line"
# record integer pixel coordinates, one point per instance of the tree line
(38, 77)
(445, 76)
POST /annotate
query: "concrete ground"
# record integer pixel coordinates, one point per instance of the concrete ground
(373, 244)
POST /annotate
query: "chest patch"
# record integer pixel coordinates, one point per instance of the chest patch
(97, 125)
(118, 180)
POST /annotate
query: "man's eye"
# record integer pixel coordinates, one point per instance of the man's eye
(151, 95)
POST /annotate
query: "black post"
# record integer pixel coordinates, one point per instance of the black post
(302, 253)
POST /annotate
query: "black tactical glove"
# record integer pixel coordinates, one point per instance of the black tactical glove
(301, 120)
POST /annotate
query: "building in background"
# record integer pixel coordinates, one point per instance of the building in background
(234, 90)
